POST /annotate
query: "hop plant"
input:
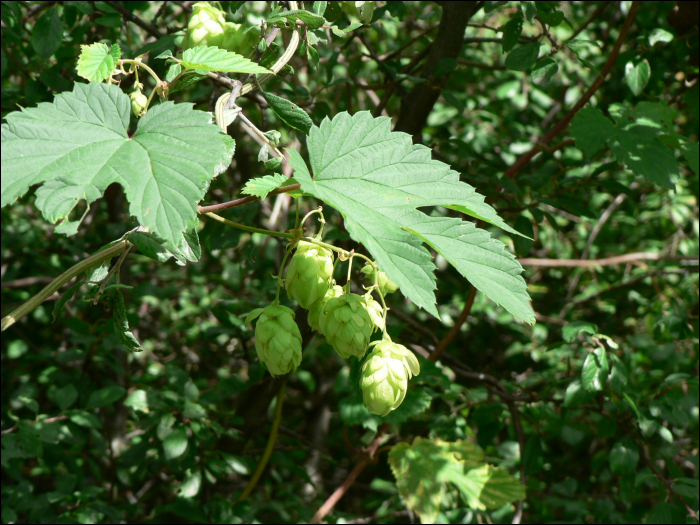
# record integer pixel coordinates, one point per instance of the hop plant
(309, 274)
(139, 103)
(314, 316)
(277, 339)
(386, 285)
(375, 311)
(239, 38)
(347, 325)
(206, 26)
(384, 376)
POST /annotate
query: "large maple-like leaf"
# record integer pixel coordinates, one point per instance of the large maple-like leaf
(377, 179)
(78, 145)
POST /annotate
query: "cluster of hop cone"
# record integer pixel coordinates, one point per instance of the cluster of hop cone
(345, 319)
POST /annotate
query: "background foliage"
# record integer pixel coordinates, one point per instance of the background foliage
(594, 408)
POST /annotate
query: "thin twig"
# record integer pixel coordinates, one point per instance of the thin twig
(354, 473)
(618, 259)
(595, 15)
(245, 200)
(128, 15)
(667, 483)
(452, 333)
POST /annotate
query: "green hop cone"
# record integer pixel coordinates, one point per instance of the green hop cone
(206, 27)
(375, 311)
(384, 376)
(309, 274)
(278, 340)
(239, 38)
(139, 103)
(347, 325)
(314, 316)
(386, 285)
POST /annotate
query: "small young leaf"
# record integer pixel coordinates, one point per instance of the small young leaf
(290, 113)
(637, 76)
(97, 61)
(312, 20)
(261, 186)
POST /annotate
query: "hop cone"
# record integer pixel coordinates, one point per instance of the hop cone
(375, 311)
(309, 274)
(386, 285)
(347, 325)
(278, 340)
(385, 376)
(206, 26)
(240, 39)
(314, 316)
(139, 101)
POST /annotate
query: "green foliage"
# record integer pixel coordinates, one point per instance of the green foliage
(588, 416)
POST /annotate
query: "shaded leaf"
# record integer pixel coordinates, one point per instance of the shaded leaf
(595, 370)
(524, 57)
(290, 113)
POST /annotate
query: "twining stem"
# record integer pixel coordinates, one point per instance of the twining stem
(62, 279)
(141, 64)
(270, 445)
(250, 229)
(279, 277)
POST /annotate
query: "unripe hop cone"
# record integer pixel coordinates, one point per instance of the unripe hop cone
(314, 316)
(384, 377)
(309, 274)
(375, 311)
(278, 340)
(347, 325)
(386, 285)
(205, 28)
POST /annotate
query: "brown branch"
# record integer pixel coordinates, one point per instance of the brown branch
(667, 483)
(27, 281)
(452, 333)
(564, 122)
(245, 200)
(354, 473)
(595, 15)
(618, 259)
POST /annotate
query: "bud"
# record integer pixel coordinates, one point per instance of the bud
(384, 377)
(386, 285)
(309, 273)
(347, 325)
(139, 103)
(375, 311)
(314, 316)
(206, 27)
(278, 340)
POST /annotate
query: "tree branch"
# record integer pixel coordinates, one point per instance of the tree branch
(417, 105)
(618, 259)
